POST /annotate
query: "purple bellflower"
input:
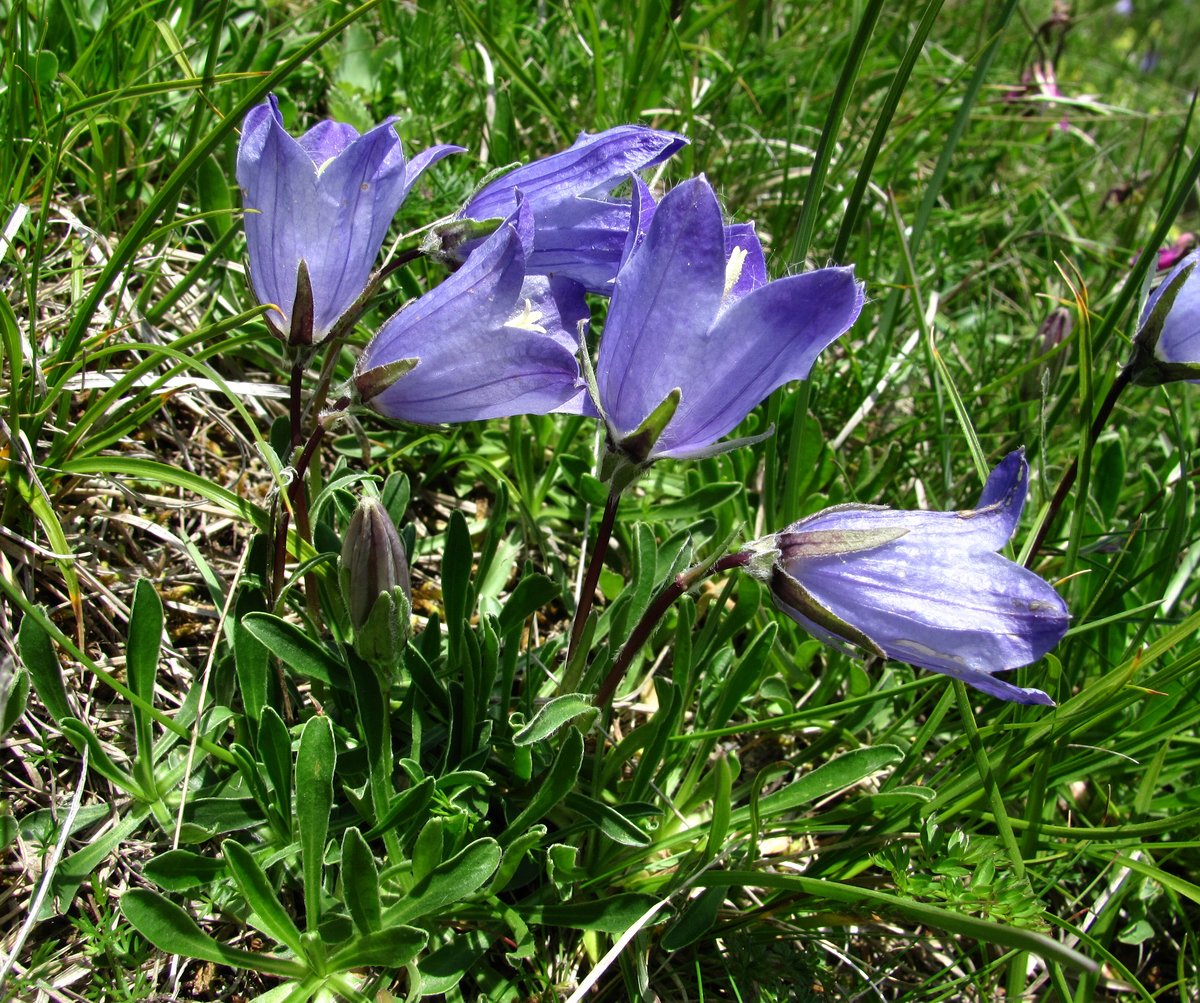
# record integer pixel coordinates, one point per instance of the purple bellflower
(579, 227)
(1167, 345)
(317, 211)
(487, 342)
(927, 588)
(696, 336)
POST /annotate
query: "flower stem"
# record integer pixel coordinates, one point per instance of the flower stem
(657, 609)
(1068, 478)
(295, 404)
(297, 499)
(592, 578)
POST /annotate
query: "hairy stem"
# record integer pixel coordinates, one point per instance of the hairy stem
(657, 609)
(592, 578)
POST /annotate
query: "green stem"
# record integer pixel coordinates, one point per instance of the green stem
(988, 779)
(1068, 478)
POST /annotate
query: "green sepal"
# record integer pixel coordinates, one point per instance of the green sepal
(787, 590)
(303, 311)
(447, 237)
(382, 639)
(639, 443)
(834, 542)
(368, 385)
(1148, 369)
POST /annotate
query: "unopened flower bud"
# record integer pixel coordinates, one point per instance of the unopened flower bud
(373, 572)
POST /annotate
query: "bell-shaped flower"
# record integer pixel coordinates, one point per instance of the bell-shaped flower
(696, 336)
(1167, 345)
(488, 342)
(579, 226)
(927, 588)
(317, 211)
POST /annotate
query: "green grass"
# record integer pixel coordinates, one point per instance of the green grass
(949, 839)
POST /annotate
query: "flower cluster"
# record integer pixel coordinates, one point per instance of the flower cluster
(696, 336)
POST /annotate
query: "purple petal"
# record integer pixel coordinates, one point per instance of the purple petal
(327, 199)
(595, 164)
(742, 237)
(426, 159)
(934, 593)
(759, 342)
(988, 527)
(664, 298)
(490, 343)
(359, 193)
(1179, 340)
(327, 139)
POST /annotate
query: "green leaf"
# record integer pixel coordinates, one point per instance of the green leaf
(514, 854)
(607, 819)
(555, 714)
(360, 881)
(611, 915)
(315, 762)
(404, 807)
(141, 655)
(37, 653)
(451, 881)
(699, 503)
(844, 771)
(530, 595)
(273, 919)
(81, 736)
(171, 929)
(391, 947)
(695, 920)
(250, 661)
(444, 968)
(296, 650)
(14, 695)
(275, 754)
(456, 580)
(179, 870)
(558, 781)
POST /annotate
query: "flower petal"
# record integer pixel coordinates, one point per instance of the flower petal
(490, 342)
(595, 164)
(987, 527)
(327, 139)
(666, 294)
(1179, 340)
(768, 337)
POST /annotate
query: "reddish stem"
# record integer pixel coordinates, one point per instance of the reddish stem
(592, 577)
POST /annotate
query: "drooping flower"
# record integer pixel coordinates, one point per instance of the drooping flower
(928, 588)
(487, 342)
(579, 226)
(696, 336)
(1167, 344)
(317, 211)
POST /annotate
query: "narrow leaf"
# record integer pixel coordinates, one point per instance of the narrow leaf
(171, 929)
(314, 801)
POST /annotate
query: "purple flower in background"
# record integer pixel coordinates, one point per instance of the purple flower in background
(579, 227)
(1167, 345)
(696, 336)
(317, 211)
(926, 588)
(487, 342)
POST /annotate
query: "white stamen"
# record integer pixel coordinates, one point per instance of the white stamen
(527, 319)
(733, 269)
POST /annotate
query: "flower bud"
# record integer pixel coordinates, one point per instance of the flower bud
(373, 573)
